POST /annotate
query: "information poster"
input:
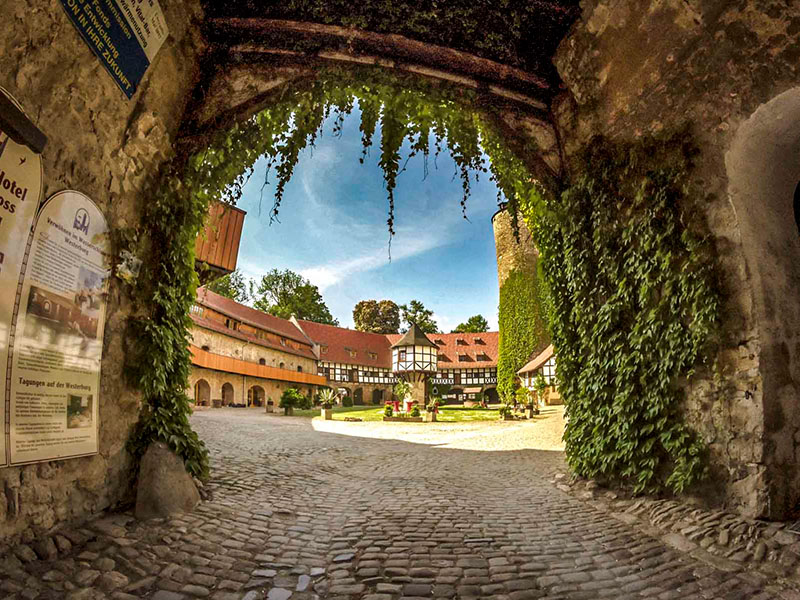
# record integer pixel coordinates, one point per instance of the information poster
(124, 34)
(55, 376)
(20, 191)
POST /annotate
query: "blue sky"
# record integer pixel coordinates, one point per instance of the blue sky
(333, 231)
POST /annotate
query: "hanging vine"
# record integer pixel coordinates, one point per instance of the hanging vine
(633, 309)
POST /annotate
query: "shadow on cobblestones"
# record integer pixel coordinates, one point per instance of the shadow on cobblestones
(298, 513)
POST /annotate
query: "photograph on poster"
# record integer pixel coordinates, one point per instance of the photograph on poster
(79, 411)
(55, 313)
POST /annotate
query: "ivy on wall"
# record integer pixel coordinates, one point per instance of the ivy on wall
(159, 362)
(634, 308)
(523, 327)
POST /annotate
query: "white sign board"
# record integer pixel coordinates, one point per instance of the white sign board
(55, 375)
(20, 191)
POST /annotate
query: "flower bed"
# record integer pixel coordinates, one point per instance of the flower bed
(404, 419)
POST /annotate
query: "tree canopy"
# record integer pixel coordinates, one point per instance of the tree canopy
(286, 293)
(475, 324)
(377, 316)
(415, 312)
(233, 286)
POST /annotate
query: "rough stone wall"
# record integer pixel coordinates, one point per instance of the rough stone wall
(635, 69)
(512, 253)
(108, 147)
(219, 343)
(241, 384)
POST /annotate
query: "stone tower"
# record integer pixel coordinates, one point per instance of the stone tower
(512, 254)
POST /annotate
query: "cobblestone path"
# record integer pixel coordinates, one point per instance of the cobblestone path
(298, 513)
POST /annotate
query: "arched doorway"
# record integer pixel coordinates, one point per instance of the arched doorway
(227, 394)
(491, 396)
(202, 393)
(377, 396)
(358, 397)
(256, 396)
(763, 168)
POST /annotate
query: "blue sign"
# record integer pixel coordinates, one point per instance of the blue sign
(119, 33)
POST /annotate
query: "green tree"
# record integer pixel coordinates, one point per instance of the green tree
(377, 317)
(233, 286)
(475, 324)
(415, 312)
(285, 293)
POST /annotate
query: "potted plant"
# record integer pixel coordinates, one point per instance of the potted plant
(327, 398)
(388, 411)
(523, 398)
(506, 412)
(289, 399)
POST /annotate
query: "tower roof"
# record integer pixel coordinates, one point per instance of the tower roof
(414, 337)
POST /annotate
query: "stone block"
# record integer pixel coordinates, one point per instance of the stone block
(164, 485)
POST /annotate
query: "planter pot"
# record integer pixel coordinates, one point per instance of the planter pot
(508, 417)
(326, 414)
(430, 417)
(288, 411)
(216, 403)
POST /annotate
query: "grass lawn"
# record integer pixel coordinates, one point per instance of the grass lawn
(447, 414)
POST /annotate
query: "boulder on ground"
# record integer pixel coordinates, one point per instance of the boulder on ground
(164, 485)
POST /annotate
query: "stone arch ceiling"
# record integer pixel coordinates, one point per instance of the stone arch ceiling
(256, 50)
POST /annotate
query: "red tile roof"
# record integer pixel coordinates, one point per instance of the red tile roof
(241, 335)
(450, 349)
(248, 315)
(340, 341)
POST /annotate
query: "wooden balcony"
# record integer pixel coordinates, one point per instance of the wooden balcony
(208, 360)
(217, 246)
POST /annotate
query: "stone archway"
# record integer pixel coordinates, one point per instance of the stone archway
(763, 166)
(227, 394)
(377, 396)
(202, 393)
(256, 396)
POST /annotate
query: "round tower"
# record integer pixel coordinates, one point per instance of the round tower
(512, 254)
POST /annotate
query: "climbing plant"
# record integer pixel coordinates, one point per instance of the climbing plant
(523, 327)
(634, 309)
(415, 117)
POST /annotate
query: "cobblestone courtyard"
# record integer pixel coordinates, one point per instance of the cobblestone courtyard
(446, 511)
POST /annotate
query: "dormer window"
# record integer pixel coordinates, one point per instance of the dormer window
(477, 340)
(206, 348)
(373, 355)
(283, 341)
(442, 357)
(439, 342)
(461, 342)
(463, 357)
(481, 357)
(262, 361)
(351, 352)
(323, 349)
